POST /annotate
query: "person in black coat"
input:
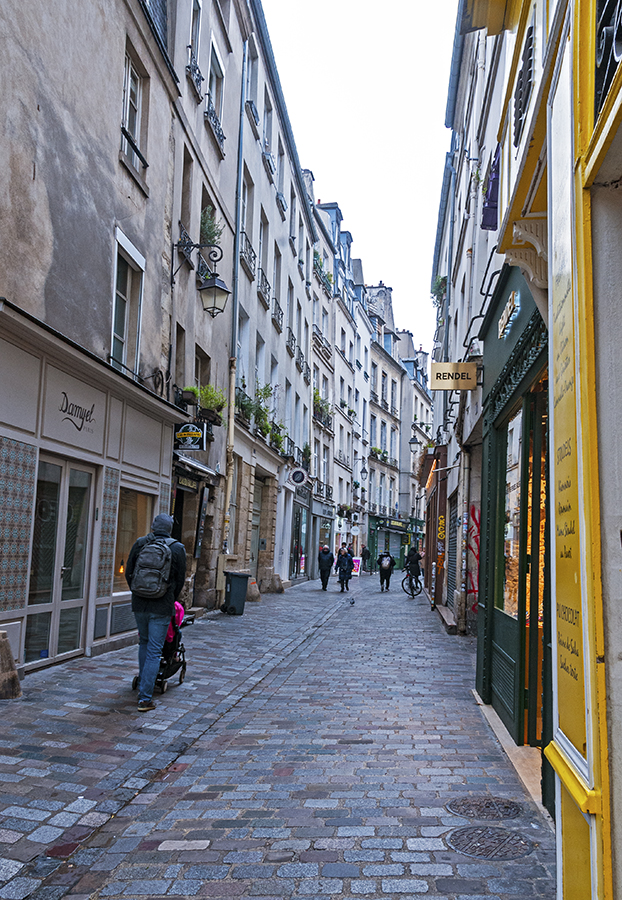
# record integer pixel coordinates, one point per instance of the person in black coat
(153, 616)
(325, 562)
(365, 554)
(344, 566)
(412, 562)
(386, 564)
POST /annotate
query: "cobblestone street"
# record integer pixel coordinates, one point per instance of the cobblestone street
(315, 749)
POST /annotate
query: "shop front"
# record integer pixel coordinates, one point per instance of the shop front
(322, 526)
(514, 660)
(387, 534)
(85, 456)
(300, 540)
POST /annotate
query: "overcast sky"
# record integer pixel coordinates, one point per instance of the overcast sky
(366, 90)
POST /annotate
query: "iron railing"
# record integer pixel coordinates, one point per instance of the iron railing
(263, 288)
(247, 254)
(211, 116)
(194, 73)
(291, 341)
(277, 315)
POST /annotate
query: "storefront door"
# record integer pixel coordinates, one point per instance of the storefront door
(520, 589)
(59, 564)
(255, 525)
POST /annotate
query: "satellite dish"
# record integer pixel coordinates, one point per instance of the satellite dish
(298, 476)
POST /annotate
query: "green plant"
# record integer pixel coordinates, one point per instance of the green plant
(276, 436)
(317, 399)
(306, 452)
(376, 451)
(356, 484)
(439, 289)
(343, 403)
(351, 412)
(211, 397)
(260, 408)
(211, 230)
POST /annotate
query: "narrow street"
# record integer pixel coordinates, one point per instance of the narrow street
(315, 749)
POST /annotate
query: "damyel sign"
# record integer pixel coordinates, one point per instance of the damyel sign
(74, 411)
(447, 376)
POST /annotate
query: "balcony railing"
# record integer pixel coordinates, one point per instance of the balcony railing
(194, 73)
(373, 396)
(277, 315)
(384, 403)
(291, 341)
(306, 373)
(395, 412)
(319, 489)
(393, 462)
(300, 359)
(329, 492)
(289, 447)
(263, 288)
(373, 508)
(211, 116)
(323, 418)
(343, 458)
(185, 245)
(247, 254)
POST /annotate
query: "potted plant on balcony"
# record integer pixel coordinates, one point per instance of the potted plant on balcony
(356, 484)
(210, 402)
(276, 436)
(306, 455)
(384, 455)
(260, 408)
(375, 452)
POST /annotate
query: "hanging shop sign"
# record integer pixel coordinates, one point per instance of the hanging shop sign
(448, 376)
(298, 476)
(392, 524)
(508, 315)
(322, 509)
(190, 436)
(187, 482)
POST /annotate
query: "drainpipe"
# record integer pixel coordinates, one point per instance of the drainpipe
(234, 315)
(448, 292)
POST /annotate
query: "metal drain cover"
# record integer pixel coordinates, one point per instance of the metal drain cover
(484, 808)
(489, 843)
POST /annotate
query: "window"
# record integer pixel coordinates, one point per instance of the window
(372, 430)
(267, 124)
(325, 464)
(316, 458)
(216, 82)
(394, 394)
(341, 389)
(280, 168)
(325, 323)
(316, 378)
(342, 342)
(130, 266)
(374, 378)
(293, 215)
(276, 273)
(134, 520)
(202, 367)
(251, 74)
(383, 435)
(324, 387)
(195, 28)
(132, 130)
(385, 385)
(387, 343)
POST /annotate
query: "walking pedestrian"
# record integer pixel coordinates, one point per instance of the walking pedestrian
(344, 566)
(155, 572)
(325, 562)
(365, 554)
(386, 564)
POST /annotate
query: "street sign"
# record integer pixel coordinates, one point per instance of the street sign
(448, 376)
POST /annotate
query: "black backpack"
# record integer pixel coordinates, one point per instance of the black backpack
(152, 571)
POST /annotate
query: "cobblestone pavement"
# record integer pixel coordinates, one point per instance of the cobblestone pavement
(311, 752)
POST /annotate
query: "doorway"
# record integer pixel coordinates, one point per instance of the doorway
(255, 526)
(59, 568)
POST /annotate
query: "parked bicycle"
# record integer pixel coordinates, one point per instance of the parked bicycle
(412, 584)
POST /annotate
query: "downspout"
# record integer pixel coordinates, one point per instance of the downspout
(448, 292)
(234, 315)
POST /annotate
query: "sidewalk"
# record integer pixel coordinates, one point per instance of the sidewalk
(314, 750)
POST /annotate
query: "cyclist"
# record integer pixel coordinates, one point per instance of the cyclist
(412, 562)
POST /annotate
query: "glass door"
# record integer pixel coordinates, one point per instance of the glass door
(59, 562)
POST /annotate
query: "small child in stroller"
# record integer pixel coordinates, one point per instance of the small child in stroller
(173, 657)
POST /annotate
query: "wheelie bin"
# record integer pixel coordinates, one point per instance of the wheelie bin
(235, 593)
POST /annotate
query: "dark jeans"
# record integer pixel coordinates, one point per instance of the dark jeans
(151, 636)
(385, 578)
(324, 575)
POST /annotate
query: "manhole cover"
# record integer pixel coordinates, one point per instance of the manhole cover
(489, 843)
(484, 808)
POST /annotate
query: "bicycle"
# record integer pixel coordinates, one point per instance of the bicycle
(412, 584)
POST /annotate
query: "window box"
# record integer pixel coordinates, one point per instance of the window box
(253, 117)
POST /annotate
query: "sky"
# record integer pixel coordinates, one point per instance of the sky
(366, 95)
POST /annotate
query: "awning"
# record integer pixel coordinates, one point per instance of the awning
(194, 465)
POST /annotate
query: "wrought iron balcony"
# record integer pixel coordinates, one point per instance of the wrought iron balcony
(263, 288)
(373, 396)
(277, 315)
(384, 403)
(281, 202)
(319, 489)
(393, 462)
(186, 245)
(373, 508)
(316, 335)
(306, 373)
(329, 492)
(343, 458)
(269, 163)
(300, 359)
(291, 341)
(289, 448)
(395, 412)
(211, 116)
(194, 73)
(248, 256)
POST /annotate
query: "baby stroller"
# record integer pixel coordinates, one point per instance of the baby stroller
(173, 657)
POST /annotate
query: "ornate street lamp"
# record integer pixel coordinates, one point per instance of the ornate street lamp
(214, 292)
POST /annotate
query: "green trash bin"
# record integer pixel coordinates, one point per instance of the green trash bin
(235, 593)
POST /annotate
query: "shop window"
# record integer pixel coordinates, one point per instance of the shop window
(508, 600)
(135, 517)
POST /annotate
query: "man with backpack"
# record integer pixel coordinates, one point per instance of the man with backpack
(155, 572)
(386, 564)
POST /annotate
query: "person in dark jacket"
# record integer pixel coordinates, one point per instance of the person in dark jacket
(365, 554)
(344, 566)
(153, 616)
(386, 564)
(412, 562)
(325, 562)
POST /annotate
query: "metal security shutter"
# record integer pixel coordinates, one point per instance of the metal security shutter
(452, 547)
(395, 544)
